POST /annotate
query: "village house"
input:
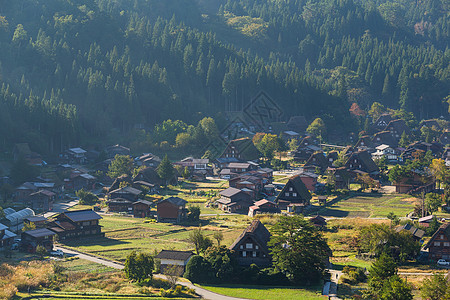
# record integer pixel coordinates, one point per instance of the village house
(251, 246)
(119, 205)
(306, 148)
(262, 207)
(388, 152)
(41, 200)
(381, 122)
(38, 221)
(397, 127)
(297, 124)
(425, 221)
(233, 199)
(76, 224)
(6, 237)
(148, 160)
(76, 155)
(419, 182)
(439, 244)
(24, 191)
(141, 208)
(290, 135)
(37, 237)
(365, 143)
(362, 161)
(309, 179)
(294, 192)
(126, 192)
(173, 258)
(422, 147)
(238, 167)
(227, 174)
(172, 209)
(144, 185)
(117, 149)
(384, 137)
(316, 160)
(416, 232)
(194, 164)
(241, 149)
(79, 180)
(318, 221)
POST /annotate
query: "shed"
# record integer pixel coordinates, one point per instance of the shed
(174, 258)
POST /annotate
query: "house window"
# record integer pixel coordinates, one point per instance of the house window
(254, 253)
(241, 247)
(286, 194)
(437, 244)
(290, 189)
(446, 244)
(244, 253)
(249, 246)
(294, 194)
(256, 247)
(442, 237)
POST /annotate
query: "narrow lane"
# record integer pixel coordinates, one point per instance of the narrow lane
(205, 294)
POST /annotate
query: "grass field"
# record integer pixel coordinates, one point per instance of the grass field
(371, 206)
(123, 235)
(267, 293)
(81, 265)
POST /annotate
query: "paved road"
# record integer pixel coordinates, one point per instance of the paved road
(335, 275)
(205, 294)
(61, 207)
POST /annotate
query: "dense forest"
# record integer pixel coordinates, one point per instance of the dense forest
(82, 72)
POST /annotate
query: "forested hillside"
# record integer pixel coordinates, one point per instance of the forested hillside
(76, 71)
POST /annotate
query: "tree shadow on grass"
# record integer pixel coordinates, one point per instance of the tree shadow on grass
(331, 212)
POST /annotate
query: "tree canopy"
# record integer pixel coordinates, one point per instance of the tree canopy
(298, 249)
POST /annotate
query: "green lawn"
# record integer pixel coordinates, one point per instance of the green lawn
(370, 206)
(266, 293)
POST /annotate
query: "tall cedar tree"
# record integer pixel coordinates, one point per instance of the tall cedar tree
(166, 170)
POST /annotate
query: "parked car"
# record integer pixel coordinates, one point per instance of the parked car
(58, 252)
(443, 262)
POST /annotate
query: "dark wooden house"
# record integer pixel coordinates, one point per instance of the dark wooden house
(362, 161)
(6, 237)
(33, 238)
(233, 200)
(126, 192)
(317, 160)
(439, 244)
(263, 206)
(294, 192)
(41, 200)
(242, 149)
(76, 224)
(114, 150)
(251, 246)
(141, 208)
(173, 258)
(172, 209)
